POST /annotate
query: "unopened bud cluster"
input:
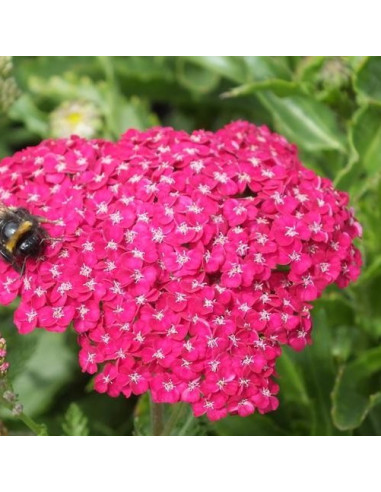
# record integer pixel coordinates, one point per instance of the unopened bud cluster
(3, 352)
(9, 91)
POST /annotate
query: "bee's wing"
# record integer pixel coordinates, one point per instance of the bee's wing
(3, 208)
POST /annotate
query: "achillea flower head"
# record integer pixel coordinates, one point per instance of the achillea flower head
(183, 261)
(75, 117)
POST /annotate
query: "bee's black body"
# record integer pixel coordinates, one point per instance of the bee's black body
(21, 236)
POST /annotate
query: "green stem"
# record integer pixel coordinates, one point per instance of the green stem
(157, 418)
(176, 414)
(187, 424)
(11, 405)
(112, 107)
(38, 429)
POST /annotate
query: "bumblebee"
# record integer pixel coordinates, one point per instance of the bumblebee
(21, 236)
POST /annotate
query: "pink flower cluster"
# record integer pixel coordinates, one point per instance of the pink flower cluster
(184, 262)
(3, 353)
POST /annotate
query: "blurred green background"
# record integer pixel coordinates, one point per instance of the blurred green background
(330, 107)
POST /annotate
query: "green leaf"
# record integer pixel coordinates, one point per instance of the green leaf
(121, 113)
(20, 348)
(366, 131)
(277, 86)
(27, 67)
(253, 425)
(144, 68)
(291, 380)
(305, 121)
(26, 111)
(347, 176)
(131, 114)
(231, 67)
(75, 422)
(245, 69)
(351, 397)
(196, 78)
(48, 369)
(69, 87)
(355, 62)
(106, 416)
(343, 342)
(263, 68)
(142, 416)
(368, 78)
(316, 365)
(372, 271)
(307, 68)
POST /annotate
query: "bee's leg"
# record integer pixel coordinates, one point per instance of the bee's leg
(44, 220)
(9, 258)
(21, 212)
(60, 239)
(22, 270)
(24, 214)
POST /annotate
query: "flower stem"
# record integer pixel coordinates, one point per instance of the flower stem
(3, 429)
(157, 418)
(186, 425)
(38, 429)
(15, 407)
(177, 412)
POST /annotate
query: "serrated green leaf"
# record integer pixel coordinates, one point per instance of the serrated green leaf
(351, 399)
(75, 422)
(305, 121)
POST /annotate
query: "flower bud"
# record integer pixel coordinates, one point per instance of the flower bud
(9, 91)
(9, 396)
(3, 352)
(17, 410)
